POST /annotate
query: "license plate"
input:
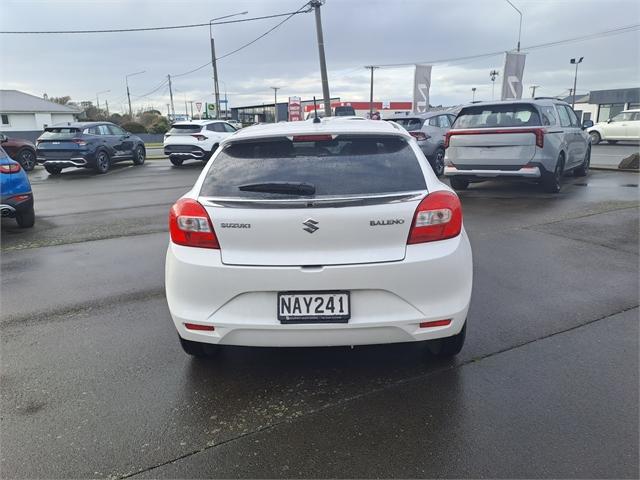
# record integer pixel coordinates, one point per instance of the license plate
(314, 307)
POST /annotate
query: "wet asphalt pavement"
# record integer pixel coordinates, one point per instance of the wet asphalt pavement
(94, 383)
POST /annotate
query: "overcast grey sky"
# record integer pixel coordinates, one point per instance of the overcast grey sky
(357, 33)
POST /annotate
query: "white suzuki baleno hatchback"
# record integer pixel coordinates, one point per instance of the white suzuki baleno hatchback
(318, 234)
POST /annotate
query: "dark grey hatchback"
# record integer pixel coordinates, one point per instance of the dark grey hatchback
(94, 145)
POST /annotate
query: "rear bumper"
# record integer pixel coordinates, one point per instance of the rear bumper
(523, 172)
(186, 152)
(9, 206)
(388, 300)
(78, 162)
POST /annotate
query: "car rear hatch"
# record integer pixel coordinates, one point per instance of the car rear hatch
(313, 200)
(182, 134)
(59, 143)
(499, 136)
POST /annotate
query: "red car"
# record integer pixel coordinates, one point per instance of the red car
(22, 151)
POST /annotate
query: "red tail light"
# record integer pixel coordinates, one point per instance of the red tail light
(21, 198)
(435, 323)
(79, 141)
(190, 225)
(420, 135)
(197, 326)
(200, 138)
(10, 168)
(438, 217)
(538, 132)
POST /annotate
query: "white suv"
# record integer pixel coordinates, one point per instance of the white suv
(195, 140)
(318, 234)
(624, 126)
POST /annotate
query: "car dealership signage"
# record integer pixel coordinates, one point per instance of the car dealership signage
(513, 73)
(295, 109)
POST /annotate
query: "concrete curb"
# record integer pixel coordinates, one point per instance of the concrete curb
(613, 169)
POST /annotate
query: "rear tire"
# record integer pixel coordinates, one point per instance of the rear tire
(26, 219)
(459, 183)
(139, 156)
(438, 162)
(208, 157)
(198, 349)
(27, 159)
(177, 162)
(449, 346)
(595, 138)
(53, 170)
(583, 170)
(552, 181)
(103, 162)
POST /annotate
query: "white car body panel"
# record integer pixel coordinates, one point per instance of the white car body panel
(619, 130)
(393, 286)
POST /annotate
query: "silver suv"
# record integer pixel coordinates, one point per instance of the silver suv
(537, 139)
(429, 130)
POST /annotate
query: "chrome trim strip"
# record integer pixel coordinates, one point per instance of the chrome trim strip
(523, 172)
(332, 202)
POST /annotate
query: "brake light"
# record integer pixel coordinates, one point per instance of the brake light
(199, 137)
(21, 198)
(197, 326)
(190, 225)
(10, 168)
(420, 135)
(435, 323)
(312, 138)
(79, 141)
(538, 132)
(438, 217)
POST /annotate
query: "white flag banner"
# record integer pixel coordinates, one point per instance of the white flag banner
(512, 75)
(421, 85)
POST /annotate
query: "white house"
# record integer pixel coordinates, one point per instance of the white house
(21, 112)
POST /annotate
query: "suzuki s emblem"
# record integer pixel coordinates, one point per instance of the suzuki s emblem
(311, 226)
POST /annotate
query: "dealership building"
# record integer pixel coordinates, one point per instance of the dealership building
(601, 105)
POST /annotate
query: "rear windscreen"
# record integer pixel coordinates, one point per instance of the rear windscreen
(185, 129)
(59, 133)
(410, 124)
(346, 165)
(496, 116)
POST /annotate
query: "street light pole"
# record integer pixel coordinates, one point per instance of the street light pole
(493, 74)
(214, 64)
(372, 68)
(533, 90)
(126, 80)
(275, 104)
(316, 4)
(473, 94)
(519, 28)
(575, 79)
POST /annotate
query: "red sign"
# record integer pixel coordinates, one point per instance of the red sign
(198, 106)
(295, 109)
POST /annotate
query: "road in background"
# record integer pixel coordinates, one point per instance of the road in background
(605, 155)
(94, 383)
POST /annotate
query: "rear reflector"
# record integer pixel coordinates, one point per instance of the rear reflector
(195, 326)
(538, 132)
(312, 138)
(436, 323)
(438, 217)
(189, 225)
(21, 198)
(10, 168)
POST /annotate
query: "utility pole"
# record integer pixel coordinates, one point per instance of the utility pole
(106, 103)
(316, 4)
(191, 104)
(533, 90)
(173, 110)
(575, 79)
(168, 111)
(473, 94)
(186, 110)
(372, 68)
(275, 104)
(492, 75)
(126, 79)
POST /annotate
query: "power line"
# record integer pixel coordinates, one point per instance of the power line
(163, 83)
(148, 29)
(246, 44)
(615, 31)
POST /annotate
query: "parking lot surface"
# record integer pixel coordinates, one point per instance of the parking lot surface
(94, 383)
(606, 155)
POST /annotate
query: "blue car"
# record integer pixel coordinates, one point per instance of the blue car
(16, 198)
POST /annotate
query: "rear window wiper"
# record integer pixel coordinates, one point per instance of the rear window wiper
(285, 188)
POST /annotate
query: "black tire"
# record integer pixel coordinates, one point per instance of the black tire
(612, 142)
(438, 162)
(53, 170)
(449, 346)
(27, 159)
(175, 161)
(595, 138)
(552, 181)
(139, 155)
(26, 219)
(583, 170)
(103, 162)
(198, 349)
(459, 183)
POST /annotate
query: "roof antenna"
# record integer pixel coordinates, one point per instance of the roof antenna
(315, 109)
